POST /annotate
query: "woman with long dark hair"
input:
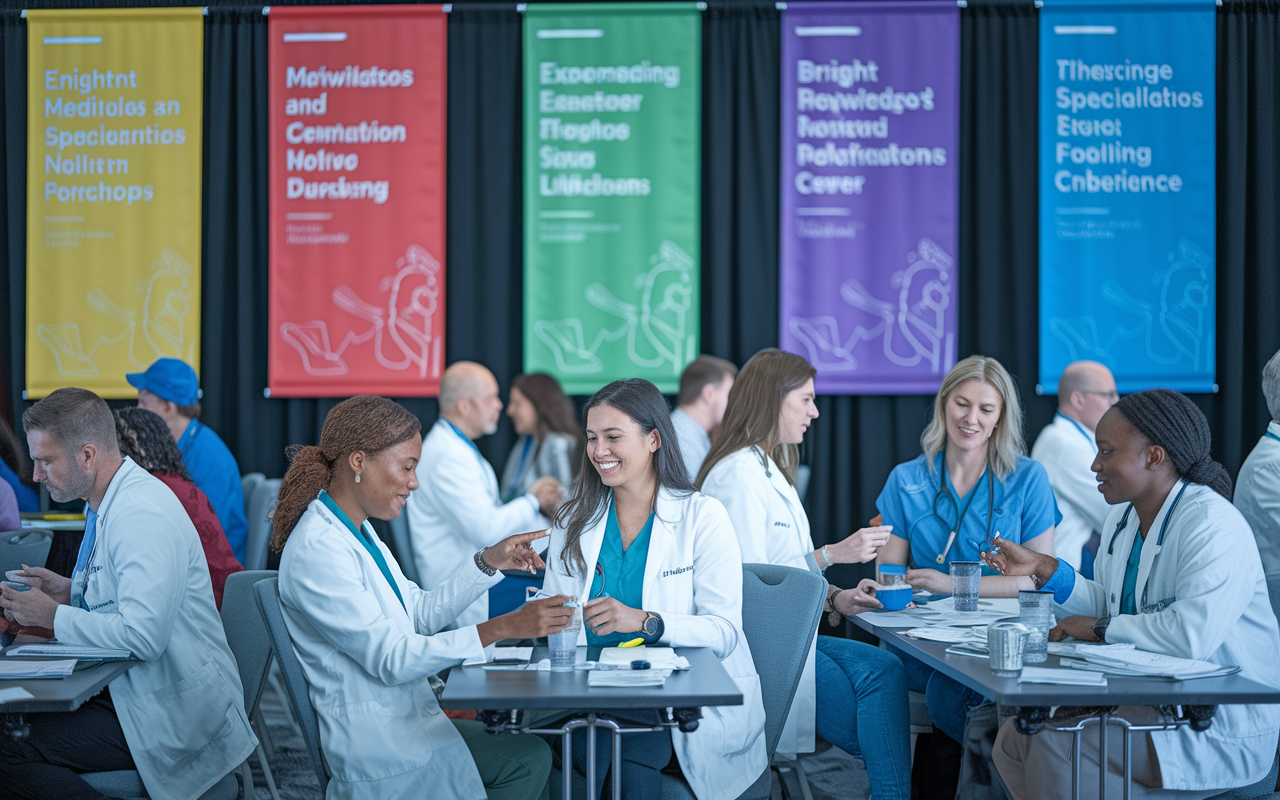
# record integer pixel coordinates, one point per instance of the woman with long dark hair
(145, 438)
(549, 435)
(368, 638)
(751, 469)
(656, 560)
(1178, 573)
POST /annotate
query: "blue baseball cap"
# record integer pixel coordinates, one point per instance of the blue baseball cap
(169, 379)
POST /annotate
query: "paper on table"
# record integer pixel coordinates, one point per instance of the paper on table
(950, 635)
(501, 654)
(26, 670)
(68, 651)
(1063, 677)
(624, 678)
(14, 694)
(1140, 662)
(659, 658)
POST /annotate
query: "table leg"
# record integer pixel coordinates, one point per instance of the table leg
(591, 755)
(1075, 764)
(1103, 718)
(1128, 777)
(566, 764)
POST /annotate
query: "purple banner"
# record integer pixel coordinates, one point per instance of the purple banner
(870, 192)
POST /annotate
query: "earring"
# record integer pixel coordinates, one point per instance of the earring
(357, 477)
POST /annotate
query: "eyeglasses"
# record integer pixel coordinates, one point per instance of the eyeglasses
(1112, 395)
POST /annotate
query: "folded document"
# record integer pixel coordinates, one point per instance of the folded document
(1064, 677)
(84, 652)
(27, 670)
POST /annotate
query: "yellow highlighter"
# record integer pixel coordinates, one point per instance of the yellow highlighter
(633, 643)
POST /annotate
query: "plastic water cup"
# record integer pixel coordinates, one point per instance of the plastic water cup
(1035, 612)
(1005, 641)
(894, 598)
(964, 584)
(564, 644)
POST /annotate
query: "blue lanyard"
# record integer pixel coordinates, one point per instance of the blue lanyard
(1273, 436)
(1163, 526)
(466, 439)
(1080, 428)
(364, 540)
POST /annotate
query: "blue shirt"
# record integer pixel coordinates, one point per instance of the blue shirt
(1023, 508)
(1128, 605)
(217, 474)
(620, 574)
(28, 500)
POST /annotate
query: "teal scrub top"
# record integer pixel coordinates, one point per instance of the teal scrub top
(1024, 507)
(1128, 603)
(620, 574)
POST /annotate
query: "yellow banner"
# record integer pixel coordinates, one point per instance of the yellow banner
(115, 129)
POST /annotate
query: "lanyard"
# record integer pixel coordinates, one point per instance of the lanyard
(1080, 428)
(514, 490)
(364, 540)
(466, 439)
(1273, 436)
(1163, 526)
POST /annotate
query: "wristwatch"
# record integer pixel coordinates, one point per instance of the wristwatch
(485, 568)
(1100, 628)
(653, 626)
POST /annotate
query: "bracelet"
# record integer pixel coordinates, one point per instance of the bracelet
(821, 567)
(485, 568)
(826, 555)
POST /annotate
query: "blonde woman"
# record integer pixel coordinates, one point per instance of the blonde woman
(971, 484)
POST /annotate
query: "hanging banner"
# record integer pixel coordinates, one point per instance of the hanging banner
(870, 135)
(114, 130)
(357, 163)
(612, 215)
(1127, 231)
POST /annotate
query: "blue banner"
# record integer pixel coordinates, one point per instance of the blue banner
(1127, 191)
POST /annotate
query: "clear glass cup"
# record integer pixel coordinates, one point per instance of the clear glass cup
(964, 584)
(1035, 612)
(894, 592)
(564, 644)
(1006, 639)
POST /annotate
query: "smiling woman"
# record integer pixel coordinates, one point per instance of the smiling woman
(658, 562)
(368, 638)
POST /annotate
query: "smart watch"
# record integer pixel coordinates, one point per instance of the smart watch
(1100, 628)
(653, 626)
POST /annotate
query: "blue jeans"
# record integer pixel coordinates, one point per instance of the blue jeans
(948, 701)
(862, 709)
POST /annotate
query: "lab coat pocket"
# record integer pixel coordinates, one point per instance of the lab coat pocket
(185, 736)
(366, 741)
(744, 723)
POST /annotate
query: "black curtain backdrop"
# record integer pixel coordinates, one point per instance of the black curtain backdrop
(857, 440)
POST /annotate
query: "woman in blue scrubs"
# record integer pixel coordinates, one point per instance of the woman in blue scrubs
(971, 484)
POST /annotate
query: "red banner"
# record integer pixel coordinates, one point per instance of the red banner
(357, 160)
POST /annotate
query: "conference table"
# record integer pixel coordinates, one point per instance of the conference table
(1033, 701)
(503, 697)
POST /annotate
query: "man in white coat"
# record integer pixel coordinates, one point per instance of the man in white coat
(140, 584)
(1066, 448)
(1258, 485)
(456, 509)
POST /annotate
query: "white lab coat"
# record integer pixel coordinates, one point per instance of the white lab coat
(693, 578)
(772, 528)
(455, 511)
(1201, 594)
(147, 585)
(1257, 496)
(1067, 451)
(367, 661)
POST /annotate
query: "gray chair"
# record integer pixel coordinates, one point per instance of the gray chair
(127, 785)
(30, 547)
(260, 507)
(781, 607)
(249, 482)
(404, 546)
(251, 645)
(295, 680)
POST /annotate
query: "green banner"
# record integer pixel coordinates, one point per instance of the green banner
(612, 126)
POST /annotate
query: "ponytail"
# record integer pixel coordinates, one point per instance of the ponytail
(361, 424)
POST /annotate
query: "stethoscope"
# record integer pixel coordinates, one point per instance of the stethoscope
(1111, 549)
(943, 491)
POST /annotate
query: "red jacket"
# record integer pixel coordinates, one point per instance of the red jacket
(217, 550)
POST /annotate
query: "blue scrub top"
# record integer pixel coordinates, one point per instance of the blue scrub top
(217, 474)
(1024, 507)
(28, 499)
(620, 574)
